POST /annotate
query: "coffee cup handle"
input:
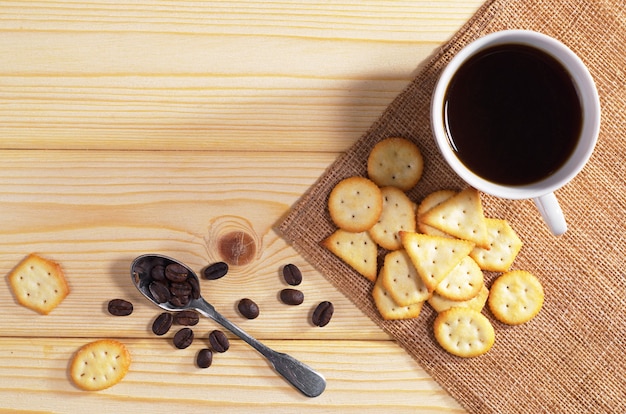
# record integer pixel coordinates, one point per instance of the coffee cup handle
(551, 212)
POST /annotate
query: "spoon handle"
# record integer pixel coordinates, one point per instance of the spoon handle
(301, 376)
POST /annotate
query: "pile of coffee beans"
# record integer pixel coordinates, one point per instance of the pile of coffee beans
(172, 283)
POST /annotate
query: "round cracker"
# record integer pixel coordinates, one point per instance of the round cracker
(515, 297)
(355, 204)
(99, 365)
(464, 332)
(395, 162)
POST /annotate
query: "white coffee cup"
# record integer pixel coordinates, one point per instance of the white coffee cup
(542, 192)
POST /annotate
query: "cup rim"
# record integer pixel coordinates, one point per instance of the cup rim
(588, 96)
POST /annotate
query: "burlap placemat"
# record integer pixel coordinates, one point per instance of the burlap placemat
(572, 356)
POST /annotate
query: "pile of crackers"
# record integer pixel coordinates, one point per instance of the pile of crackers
(435, 252)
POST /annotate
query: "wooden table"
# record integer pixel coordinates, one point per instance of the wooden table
(130, 128)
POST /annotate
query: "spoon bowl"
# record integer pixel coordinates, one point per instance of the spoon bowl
(174, 287)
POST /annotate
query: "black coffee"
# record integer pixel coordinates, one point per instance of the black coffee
(513, 114)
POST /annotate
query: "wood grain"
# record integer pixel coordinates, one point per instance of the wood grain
(159, 126)
(195, 75)
(163, 379)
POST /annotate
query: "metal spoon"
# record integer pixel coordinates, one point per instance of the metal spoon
(301, 376)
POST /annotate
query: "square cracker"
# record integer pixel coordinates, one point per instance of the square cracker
(38, 284)
(357, 250)
(460, 216)
(433, 256)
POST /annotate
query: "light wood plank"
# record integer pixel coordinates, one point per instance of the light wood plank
(162, 379)
(195, 75)
(94, 212)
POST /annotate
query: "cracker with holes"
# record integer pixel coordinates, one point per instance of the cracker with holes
(400, 279)
(477, 303)
(357, 250)
(395, 162)
(504, 245)
(355, 204)
(515, 297)
(463, 282)
(431, 200)
(464, 332)
(460, 216)
(433, 256)
(99, 365)
(38, 284)
(387, 306)
(398, 214)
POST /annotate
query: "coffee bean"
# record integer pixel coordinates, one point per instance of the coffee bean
(195, 287)
(204, 358)
(180, 301)
(248, 308)
(176, 272)
(160, 291)
(180, 289)
(158, 272)
(187, 318)
(183, 338)
(323, 313)
(291, 296)
(120, 307)
(215, 271)
(162, 323)
(219, 341)
(292, 275)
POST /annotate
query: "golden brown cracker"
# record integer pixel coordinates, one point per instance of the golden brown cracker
(504, 245)
(477, 303)
(99, 365)
(463, 282)
(398, 214)
(460, 216)
(38, 284)
(433, 256)
(464, 332)
(357, 250)
(355, 204)
(395, 162)
(431, 200)
(388, 308)
(515, 297)
(400, 279)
